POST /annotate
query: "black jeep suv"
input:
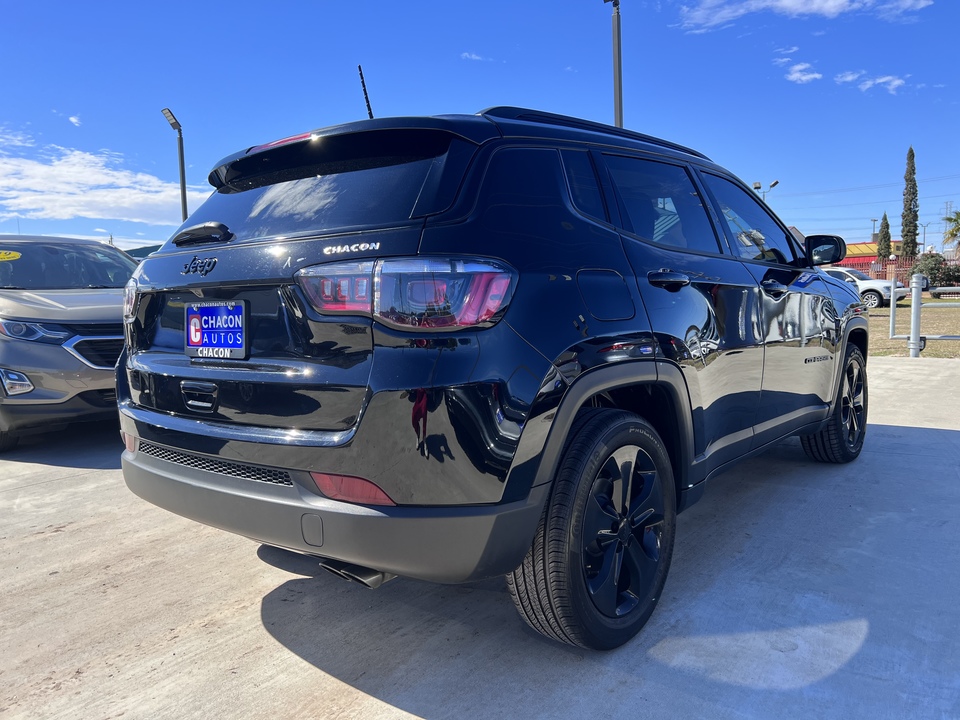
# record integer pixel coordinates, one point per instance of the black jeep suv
(455, 347)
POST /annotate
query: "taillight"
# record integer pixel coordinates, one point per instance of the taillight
(350, 489)
(413, 293)
(339, 288)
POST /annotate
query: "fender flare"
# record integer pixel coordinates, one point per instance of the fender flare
(666, 376)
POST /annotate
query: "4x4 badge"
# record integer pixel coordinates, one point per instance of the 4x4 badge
(199, 266)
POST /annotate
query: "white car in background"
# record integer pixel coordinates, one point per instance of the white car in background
(874, 293)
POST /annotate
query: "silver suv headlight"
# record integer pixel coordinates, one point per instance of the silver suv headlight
(129, 300)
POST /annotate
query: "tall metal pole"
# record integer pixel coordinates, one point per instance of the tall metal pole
(183, 175)
(175, 124)
(617, 68)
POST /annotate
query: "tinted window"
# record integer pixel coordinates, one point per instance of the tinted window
(837, 274)
(661, 204)
(62, 266)
(365, 179)
(583, 184)
(754, 234)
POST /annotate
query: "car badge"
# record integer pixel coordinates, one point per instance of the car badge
(201, 267)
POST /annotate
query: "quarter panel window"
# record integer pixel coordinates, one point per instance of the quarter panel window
(661, 204)
(584, 190)
(754, 233)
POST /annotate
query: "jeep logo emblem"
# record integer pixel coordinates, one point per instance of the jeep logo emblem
(199, 266)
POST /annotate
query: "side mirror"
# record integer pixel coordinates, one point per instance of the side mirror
(825, 249)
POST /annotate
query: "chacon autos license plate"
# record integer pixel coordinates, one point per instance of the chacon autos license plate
(216, 329)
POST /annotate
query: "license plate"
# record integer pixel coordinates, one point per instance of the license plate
(216, 329)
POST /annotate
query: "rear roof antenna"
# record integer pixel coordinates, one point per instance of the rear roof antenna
(366, 98)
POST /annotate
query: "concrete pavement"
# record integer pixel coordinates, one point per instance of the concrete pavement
(797, 590)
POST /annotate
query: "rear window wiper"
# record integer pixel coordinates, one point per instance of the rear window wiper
(203, 233)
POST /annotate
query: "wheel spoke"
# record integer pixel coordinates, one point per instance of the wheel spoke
(603, 587)
(619, 467)
(641, 565)
(599, 521)
(649, 499)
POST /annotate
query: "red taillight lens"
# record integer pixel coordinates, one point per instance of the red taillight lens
(413, 293)
(350, 489)
(338, 288)
(441, 294)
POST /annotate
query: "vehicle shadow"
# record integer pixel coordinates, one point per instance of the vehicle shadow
(92, 446)
(785, 592)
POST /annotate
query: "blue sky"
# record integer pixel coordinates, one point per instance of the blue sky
(825, 96)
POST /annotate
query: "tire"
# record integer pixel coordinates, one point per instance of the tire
(597, 565)
(872, 299)
(842, 439)
(8, 441)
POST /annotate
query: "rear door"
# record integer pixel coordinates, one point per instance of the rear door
(703, 304)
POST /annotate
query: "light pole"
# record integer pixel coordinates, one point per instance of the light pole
(763, 193)
(924, 226)
(617, 67)
(175, 124)
(873, 235)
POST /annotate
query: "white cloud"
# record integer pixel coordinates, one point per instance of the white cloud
(711, 14)
(801, 74)
(782, 61)
(787, 51)
(10, 140)
(64, 184)
(890, 82)
(895, 9)
(471, 56)
(75, 120)
(848, 76)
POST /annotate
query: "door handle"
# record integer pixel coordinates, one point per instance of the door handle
(668, 279)
(774, 289)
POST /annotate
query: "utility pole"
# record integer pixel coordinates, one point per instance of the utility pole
(617, 67)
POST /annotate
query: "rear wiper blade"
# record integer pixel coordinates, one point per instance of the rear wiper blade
(203, 233)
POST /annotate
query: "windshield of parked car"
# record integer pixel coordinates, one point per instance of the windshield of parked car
(62, 266)
(859, 275)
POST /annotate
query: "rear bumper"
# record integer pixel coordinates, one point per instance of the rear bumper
(439, 544)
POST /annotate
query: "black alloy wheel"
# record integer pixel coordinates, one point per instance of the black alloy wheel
(600, 557)
(622, 532)
(842, 439)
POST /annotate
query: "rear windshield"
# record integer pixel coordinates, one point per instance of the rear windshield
(62, 266)
(373, 179)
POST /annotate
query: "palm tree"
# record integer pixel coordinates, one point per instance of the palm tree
(951, 236)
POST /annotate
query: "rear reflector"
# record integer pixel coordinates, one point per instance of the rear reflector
(350, 489)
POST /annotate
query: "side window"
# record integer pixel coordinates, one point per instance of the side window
(754, 233)
(582, 179)
(660, 203)
(837, 274)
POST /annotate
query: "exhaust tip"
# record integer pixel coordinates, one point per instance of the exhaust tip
(355, 573)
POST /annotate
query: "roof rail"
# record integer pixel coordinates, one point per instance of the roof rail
(538, 116)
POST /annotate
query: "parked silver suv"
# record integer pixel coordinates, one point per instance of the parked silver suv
(874, 293)
(61, 332)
